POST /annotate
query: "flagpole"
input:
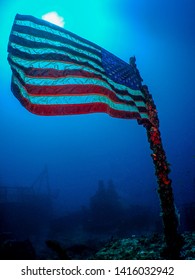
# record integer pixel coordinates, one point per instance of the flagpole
(173, 239)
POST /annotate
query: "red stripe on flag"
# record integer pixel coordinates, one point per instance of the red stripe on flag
(53, 110)
(54, 73)
(74, 90)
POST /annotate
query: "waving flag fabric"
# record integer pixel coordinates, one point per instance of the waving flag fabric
(56, 72)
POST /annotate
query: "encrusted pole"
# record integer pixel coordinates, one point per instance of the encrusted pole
(173, 239)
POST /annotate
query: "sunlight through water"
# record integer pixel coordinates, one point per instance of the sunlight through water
(54, 18)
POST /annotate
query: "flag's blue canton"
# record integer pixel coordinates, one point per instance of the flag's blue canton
(119, 71)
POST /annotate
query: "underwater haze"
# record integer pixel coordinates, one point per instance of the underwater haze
(87, 155)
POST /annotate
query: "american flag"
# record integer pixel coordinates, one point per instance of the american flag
(55, 72)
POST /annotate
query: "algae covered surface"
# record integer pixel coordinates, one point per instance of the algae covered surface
(144, 248)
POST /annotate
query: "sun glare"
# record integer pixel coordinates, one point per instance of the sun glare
(54, 18)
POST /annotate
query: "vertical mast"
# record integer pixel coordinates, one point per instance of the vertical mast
(173, 239)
